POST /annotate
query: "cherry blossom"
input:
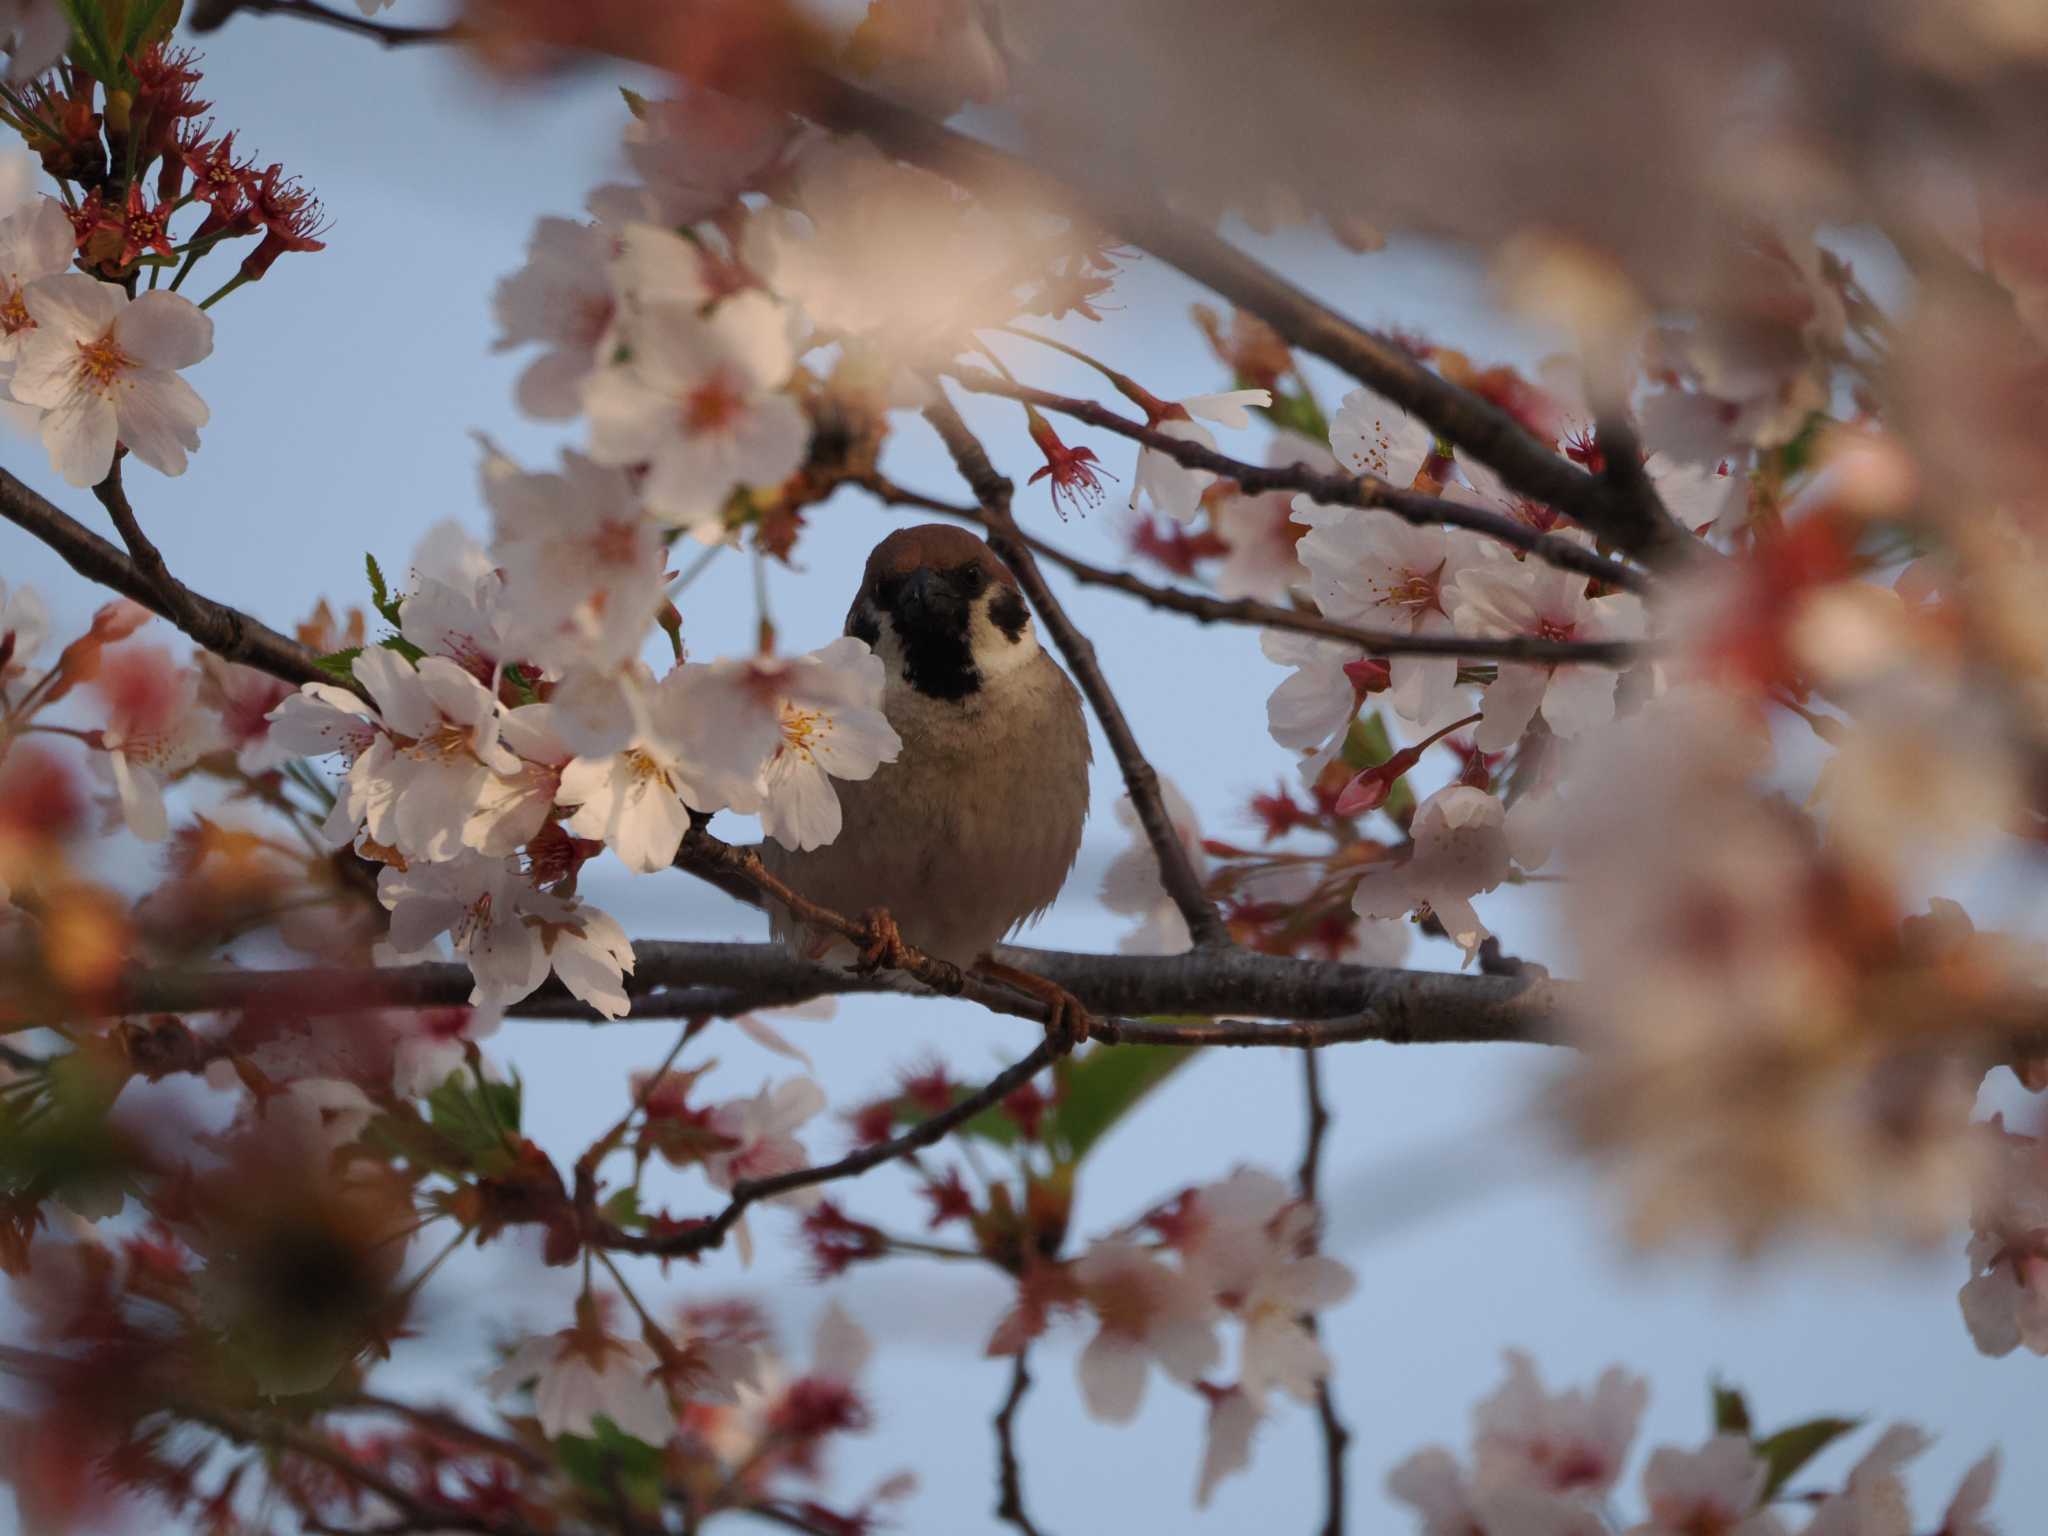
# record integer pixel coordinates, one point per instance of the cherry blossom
(1369, 569)
(698, 401)
(104, 369)
(761, 1131)
(433, 1044)
(36, 241)
(455, 605)
(695, 154)
(1264, 561)
(1966, 1515)
(1131, 884)
(838, 731)
(1506, 598)
(1460, 850)
(1146, 1312)
(511, 808)
(1571, 1442)
(561, 298)
(24, 626)
(1227, 1441)
(1170, 486)
(935, 55)
(509, 931)
(583, 1374)
(1373, 437)
(155, 731)
(582, 563)
(2005, 1300)
(1717, 1488)
(244, 698)
(420, 782)
(1873, 1502)
(323, 719)
(35, 34)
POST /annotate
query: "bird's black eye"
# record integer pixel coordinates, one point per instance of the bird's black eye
(970, 579)
(886, 588)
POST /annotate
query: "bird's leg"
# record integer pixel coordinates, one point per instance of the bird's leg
(1067, 1025)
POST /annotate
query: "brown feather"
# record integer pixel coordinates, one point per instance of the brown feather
(937, 547)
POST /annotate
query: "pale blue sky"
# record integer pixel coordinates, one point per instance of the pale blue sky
(343, 390)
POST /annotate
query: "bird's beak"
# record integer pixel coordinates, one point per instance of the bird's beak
(926, 599)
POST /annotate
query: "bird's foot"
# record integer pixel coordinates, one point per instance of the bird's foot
(1067, 1022)
(884, 950)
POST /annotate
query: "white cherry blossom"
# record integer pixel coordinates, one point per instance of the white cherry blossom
(583, 1374)
(1460, 850)
(1572, 1442)
(762, 1129)
(1715, 1488)
(421, 782)
(1873, 1502)
(837, 731)
(508, 930)
(1373, 437)
(1170, 486)
(1264, 560)
(582, 563)
(1146, 1312)
(562, 299)
(36, 241)
(511, 808)
(1311, 712)
(699, 401)
(1131, 884)
(2005, 1300)
(432, 1044)
(1529, 598)
(1370, 569)
(104, 369)
(24, 626)
(694, 154)
(1234, 1416)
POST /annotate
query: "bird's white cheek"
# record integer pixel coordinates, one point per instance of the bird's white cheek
(995, 653)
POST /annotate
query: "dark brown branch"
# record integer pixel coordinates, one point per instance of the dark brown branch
(209, 14)
(1475, 425)
(227, 632)
(992, 492)
(1009, 1470)
(711, 1232)
(1204, 609)
(1329, 487)
(1340, 1002)
(1623, 470)
(1336, 1437)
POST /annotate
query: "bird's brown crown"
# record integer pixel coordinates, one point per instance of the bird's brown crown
(934, 547)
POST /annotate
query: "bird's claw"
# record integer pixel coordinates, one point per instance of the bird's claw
(1068, 1022)
(884, 950)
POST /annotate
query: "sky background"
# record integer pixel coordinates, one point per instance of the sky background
(344, 389)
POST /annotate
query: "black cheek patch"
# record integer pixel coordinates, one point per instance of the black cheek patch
(864, 626)
(936, 660)
(1009, 614)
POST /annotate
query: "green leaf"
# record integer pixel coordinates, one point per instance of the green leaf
(340, 665)
(404, 647)
(1298, 412)
(1731, 1411)
(1099, 1089)
(613, 1462)
(380, 596)
(1790, 1449)
(89, 37)
(623, 1209)
(479, 1118)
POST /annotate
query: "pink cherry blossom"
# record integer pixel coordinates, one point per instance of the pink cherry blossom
(36, 241)
(583, 1374)
(1717, 1488)
(2005, 1300)
(762, 1130)
(1460, 851)
(1146, 1312)
(1571, 1442)
(561, 298)
(1170, 486)
(1529, 598)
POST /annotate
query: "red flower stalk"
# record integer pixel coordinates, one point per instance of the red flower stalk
(291, 218)
(950, 1198)
(838, 1242)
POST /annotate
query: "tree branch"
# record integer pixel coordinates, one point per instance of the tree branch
(1009, 1470)
(1331, 488)
(710, 1233)
(992, 491)
(228, 632)
(1204, 609)
(1326, 1002)
(1336, 1438)
(1469, 422)
(209, 14)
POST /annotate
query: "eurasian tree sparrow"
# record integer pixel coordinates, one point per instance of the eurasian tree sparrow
(973, 828)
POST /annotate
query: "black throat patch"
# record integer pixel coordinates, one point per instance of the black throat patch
(936, 659)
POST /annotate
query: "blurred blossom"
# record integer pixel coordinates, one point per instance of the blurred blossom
(1717, 1488)
(1131, 884)
(2005, 1300)
(1459, 851)
(584, 1373)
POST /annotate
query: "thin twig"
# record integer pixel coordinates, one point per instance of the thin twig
(1471, 423)
(711, 1233)
(992, 491)
(1623, 470)
(227, 632)
(1205, 609)
(1009, 1470)
(209, 14)
(1336, 1437)
(1330, 487)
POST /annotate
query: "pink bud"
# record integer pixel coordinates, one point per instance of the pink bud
(1368, 675)
(1367, 792)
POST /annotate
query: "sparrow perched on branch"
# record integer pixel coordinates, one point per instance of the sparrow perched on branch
(973, 828)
